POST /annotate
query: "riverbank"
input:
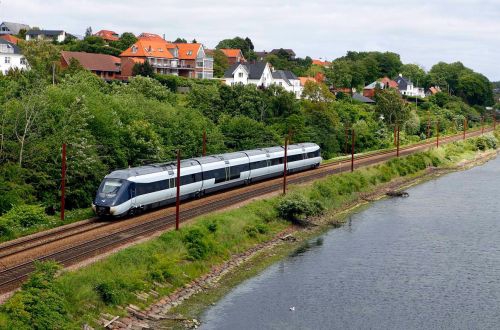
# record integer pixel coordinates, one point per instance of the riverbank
(185, 308)
(128, 287)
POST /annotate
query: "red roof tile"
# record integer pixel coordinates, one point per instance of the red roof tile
(107, 35)
(93, 62)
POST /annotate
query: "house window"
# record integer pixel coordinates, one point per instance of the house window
(134, 49)
(240, 74)
(199, 64)
(7, 60)
(23, 61)
(199, 75)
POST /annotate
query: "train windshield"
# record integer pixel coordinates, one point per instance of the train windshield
(110, 188)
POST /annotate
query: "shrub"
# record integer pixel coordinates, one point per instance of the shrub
(108, 292)
(296, 208)
(196, 246)
(26, 216)
(212, 227)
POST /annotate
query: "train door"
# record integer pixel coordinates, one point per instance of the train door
(133, 195)
(227, 170)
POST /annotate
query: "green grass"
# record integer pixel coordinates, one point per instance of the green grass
(176, 258)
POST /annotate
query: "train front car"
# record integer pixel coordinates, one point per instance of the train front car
(112, 197)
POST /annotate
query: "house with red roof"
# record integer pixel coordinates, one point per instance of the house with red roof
(324, 64)
(107, 67)
(162, 55)
(194, 62)
(9, 38)
(108, 35)
(369, 90)
(234, 55)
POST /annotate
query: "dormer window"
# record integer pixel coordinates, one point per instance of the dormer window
(160, 49)
(134, 49)
(190, 52)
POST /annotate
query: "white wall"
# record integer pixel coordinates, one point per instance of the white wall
(15, 62)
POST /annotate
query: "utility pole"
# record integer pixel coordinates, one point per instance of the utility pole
(465, 126)
(352, 149)
(437, 134)
(178, 189)
(397, 147)
(63, 180)
(284, 165)
(204, 150)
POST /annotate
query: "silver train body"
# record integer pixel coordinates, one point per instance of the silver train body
(132, 190)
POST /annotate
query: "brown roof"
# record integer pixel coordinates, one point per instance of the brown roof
(94, 62)
(321, 63)
(389, 82)
(108, 35)
(303, 80)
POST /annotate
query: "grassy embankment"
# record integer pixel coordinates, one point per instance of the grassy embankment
(176, 258)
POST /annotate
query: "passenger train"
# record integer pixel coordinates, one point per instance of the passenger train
(133, 190)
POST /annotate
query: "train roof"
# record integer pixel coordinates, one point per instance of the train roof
(171, 166)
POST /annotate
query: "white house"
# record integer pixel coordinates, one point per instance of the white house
(258, 74)
(407, 88)
(47, 35)
(289, 81)
(12, 28)
(11, 57)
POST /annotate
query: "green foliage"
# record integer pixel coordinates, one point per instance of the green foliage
(221, 63)
(296, 207)
(196, 246)
(39, 305)
(245, 45)
(25, 216)
(143, 69)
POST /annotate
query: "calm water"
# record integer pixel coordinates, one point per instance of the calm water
(424, 262)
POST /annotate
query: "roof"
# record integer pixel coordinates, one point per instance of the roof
(321, 63)
(255, 70)
(232, 52)
(389, 82)
(14, 28)
(107, 35)
(303, 80)
(188, 51)
(150, 45)
(284, 75)
(8, 45)
(94, 62)
(44, 32)
(402, 82)
(361, 98)
(9, 38)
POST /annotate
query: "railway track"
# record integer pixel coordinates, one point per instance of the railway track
(11, 276)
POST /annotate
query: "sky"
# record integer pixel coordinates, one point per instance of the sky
(423, 32)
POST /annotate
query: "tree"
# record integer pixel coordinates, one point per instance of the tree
(180, 41)
(194, 41)
(317, 92)
(221, 63)
(143, 69)
(339, 74)
(475, 89)
(391, 106)
(88, 32)
(414, 72)
(126, 40)
(245, 45)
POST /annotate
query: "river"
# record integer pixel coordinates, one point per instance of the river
(428, 261)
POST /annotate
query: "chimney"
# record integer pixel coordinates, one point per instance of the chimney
(164, 36)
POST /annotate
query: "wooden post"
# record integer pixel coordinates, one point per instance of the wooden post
(397, 147)
(284, 165)
(63, 180)
(204, 150)
(178, 189)
(352, 149)
(437, 136)
(395, 134)
(465, 127)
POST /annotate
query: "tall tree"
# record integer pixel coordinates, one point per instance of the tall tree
(221, 63)
(88, 31)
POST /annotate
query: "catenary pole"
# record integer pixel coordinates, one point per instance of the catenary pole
(285, 161)
(63, 180)
(352, 149)
(178, 190)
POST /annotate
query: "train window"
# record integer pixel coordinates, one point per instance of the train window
(110, 188)
(234, 172)
(172, 182)
(220, 175)
(294, 158)
(259, 164)
(277, 161)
